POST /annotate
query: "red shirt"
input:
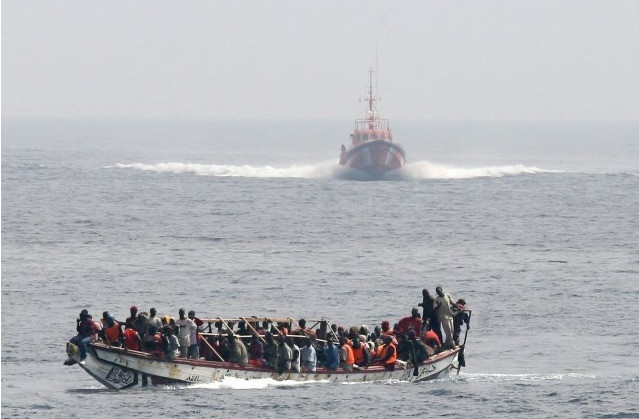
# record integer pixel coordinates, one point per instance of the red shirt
(408, 323)
(431, 337)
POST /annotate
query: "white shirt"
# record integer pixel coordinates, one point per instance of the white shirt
(186, 326)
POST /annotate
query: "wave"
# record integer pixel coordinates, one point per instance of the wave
(428, 170)
(329, 169)
(524, 377)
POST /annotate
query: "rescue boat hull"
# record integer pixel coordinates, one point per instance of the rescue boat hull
(375, 158)
(120, 369)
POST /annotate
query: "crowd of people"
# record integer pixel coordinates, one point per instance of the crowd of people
(283, 345)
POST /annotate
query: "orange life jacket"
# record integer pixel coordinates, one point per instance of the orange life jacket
(131, 340)
(350, 359)
(358, 353)
(113, 333)
(157, 345)
(393, 358)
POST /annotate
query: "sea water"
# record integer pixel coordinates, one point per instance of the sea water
(534, 224)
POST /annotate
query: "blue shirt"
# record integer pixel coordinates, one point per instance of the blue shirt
(332, 357)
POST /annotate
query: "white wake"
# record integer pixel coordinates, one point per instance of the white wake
(329, 169)
(253, 384)
(320, 170)
(428, 170)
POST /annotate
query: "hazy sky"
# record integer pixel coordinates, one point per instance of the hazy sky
(497, 60)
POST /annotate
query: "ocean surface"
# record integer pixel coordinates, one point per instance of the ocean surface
(535, 224)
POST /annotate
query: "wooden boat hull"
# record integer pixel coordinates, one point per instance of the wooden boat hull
(375, 158)
(120, 369)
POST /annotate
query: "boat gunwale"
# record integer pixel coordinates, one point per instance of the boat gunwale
(99, 346)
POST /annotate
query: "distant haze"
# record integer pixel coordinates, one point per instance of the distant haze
(476, 60)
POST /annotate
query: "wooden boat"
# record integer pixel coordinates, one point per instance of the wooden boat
(118, 368)
(372, 150)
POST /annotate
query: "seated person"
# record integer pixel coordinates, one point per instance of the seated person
(430, 338)
(308, 356)
(331, 356)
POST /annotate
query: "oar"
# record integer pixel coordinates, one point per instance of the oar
(213, 349)
(253, 329)
(414, 356)
(332, 331)
(461, 360)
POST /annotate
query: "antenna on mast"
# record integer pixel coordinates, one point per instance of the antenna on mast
(376, 71)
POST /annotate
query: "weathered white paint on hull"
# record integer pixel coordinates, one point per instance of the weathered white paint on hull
(119, 369)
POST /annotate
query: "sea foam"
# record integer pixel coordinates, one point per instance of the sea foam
(329, 169)
(254, 384)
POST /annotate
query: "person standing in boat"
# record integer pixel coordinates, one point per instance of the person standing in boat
(194, 337)
(303, 330)
(154, 319)
(428, 304)
(133, 318)
(461, 316)
(142, 326)
(186, 326)
(443, 306)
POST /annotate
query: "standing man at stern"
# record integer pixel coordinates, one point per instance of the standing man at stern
(443, 306)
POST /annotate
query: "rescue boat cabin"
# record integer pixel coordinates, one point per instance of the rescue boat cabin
(371, 127)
